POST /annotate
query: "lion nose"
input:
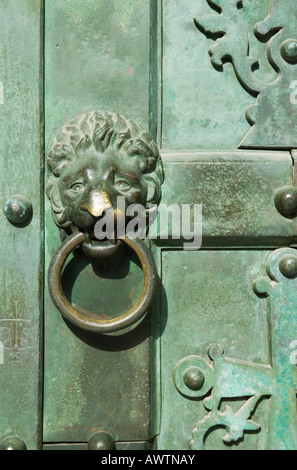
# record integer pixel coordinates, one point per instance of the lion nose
(96, 203)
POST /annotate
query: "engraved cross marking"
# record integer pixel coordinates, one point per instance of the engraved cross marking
(14, 334)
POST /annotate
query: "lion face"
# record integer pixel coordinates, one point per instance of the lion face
(88, 172)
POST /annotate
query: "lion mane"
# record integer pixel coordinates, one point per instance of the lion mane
(103, 130)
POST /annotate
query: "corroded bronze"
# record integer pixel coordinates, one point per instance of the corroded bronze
(273, 117)
(95, 158)
(12, 443)
(286, 200)
(101, 440)
(18, 209)
(288, 265)
(229, 377)
(83, 320)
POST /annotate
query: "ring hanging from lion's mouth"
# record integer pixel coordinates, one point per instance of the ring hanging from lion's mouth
(95, 249)
(83, 320)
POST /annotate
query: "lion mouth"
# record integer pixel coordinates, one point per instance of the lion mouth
(95, 248)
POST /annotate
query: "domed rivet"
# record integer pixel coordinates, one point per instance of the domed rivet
(12, 443)
(289, 50)
(101, 441)
(286, 200)
(193, 378)
(17, 209)
(214, 351)
(288, 265)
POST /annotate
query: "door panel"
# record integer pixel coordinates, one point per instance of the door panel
(214, 303)
(96, 58)
(236, 190)
(208, 297)
(218, 349)
(92, 381)
(21, 274)
(202, 108)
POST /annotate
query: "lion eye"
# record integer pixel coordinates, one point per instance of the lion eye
(122, 185)
(77, 187)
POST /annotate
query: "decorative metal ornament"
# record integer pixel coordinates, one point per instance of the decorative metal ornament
(227, 377)
(94, 159)
(274, 116)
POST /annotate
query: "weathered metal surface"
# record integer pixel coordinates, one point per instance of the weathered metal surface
(269, 375)
(236, 190)
(286, 201)
(97, 381)
(21, 278)
(274, 117)
(12, 443)
(91, 322)
(99, 163)
(226, 378)
(128, 445)
(101, 441)
(210, 301)
(201, 108)
(96, 57)
(97, 158)
(18, 209)
(66, 446)
(279, 286)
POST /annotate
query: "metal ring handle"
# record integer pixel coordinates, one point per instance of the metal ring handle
(93, 324)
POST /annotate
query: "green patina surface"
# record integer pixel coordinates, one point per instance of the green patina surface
(236, 190)
(273, 116)
(216, 305)
(21, 273)
(148, 61)
(96, 58)
(201, 107)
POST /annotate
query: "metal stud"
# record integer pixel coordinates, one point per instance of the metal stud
(286, 200)
(18, 209)
(288, 266)
(214, 351)
(12, 443)
(289, 50)
(101, 441)
(193, 378)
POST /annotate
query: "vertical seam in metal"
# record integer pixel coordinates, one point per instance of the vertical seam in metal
(42, 212)
(160, 20)
(155, 71)
(293, 154)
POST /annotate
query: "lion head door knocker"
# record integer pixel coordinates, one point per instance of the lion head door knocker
(101, 164)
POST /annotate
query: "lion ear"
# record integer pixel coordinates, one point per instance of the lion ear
(50, 186)
(153, 190)
(61, 214)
